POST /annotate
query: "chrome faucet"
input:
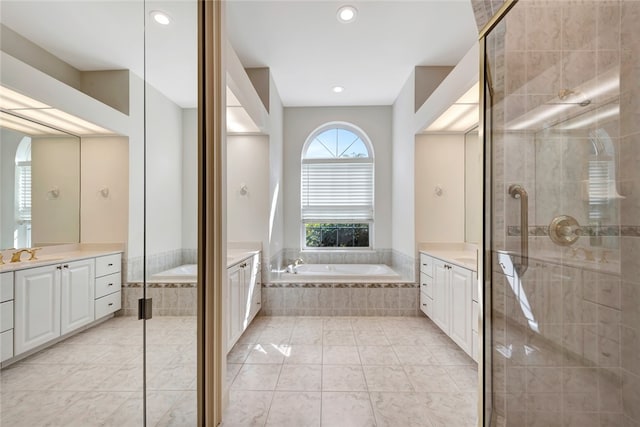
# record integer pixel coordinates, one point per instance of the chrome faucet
(298, 261)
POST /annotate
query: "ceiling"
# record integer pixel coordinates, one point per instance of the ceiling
(302, 42)
(308, 51)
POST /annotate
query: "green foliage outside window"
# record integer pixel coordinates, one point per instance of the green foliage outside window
(337, 235)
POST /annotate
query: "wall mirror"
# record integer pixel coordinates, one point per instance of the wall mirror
(472, 187)
(39, 184)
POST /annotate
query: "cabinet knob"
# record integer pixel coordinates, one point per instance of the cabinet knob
(257, 303)
(424, 304)
(110, 265)
(110, 284)
(66, 266)
(59, 267)
(110, 304)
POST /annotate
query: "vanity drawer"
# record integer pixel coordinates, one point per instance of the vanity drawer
(108, 264)
(426, 284)
(426, 265)
(6, 286)
(106, 285)
(6, 345)
(109, 304)
(6, 316)
(426, 304)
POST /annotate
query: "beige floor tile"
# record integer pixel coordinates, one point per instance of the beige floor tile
(300, 354)
(377, 355)
(247, 408)
(257, 377)
(347, 409)
(340, 355)
(300, 378)
(343, 378)
(386, 378)
(295, 409)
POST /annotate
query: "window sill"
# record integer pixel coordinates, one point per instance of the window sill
(339, 250)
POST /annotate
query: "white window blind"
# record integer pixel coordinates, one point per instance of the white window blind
(23, 178)
(339, 190)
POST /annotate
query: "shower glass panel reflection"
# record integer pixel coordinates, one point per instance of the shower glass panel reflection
(563, 123)
(171, 221)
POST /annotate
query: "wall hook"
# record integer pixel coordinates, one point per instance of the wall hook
(104, 191)
(243, 189)
(438, 190)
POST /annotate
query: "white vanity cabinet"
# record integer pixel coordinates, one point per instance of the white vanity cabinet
(108, 285)
(460, 283)
(37, 306)
(235, 276)
(77, 288)
(426, 285)
(54, 300)
(447, 298)
(6, 316)
(245, 292)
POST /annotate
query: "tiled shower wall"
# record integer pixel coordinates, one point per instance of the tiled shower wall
(567, 332)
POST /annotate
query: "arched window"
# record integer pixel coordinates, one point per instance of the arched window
(337, 188)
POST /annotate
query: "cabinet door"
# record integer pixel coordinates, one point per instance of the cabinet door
(78, 292)
(236, 295)
(440, 294)
(37, 307)
(461, 307)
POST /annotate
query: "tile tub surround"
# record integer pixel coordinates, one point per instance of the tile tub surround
(169, 299)
(348, 371)
(95, 377)
(340, 299)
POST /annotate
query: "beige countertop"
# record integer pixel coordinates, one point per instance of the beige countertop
(461, 254)
(234, 256)
(49, 255)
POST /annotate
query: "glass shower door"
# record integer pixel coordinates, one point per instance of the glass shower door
(563, 323)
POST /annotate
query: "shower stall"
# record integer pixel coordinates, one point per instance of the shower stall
(561, 130)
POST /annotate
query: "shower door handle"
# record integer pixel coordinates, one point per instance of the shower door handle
(518, 192)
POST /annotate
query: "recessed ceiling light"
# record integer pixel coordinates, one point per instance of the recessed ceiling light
(338, 89)
(160, 17)
(347, 14)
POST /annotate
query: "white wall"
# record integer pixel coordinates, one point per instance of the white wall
(299, 122)
(402, 182)
(10, 141)
(190, 178)
(164, 173)
(248, 164)
(276, 171)
(104, 164)
(55, 165)
(439, 161)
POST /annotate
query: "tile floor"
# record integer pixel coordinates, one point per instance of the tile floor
(95, 378)
(349, 372)
(284, 371)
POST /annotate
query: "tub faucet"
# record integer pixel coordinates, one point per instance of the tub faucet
(298, 261)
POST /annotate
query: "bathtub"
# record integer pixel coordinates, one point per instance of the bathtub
(340, 273)
(187, 273)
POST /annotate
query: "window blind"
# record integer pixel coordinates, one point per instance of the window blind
(337, 191)
(23, 206)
